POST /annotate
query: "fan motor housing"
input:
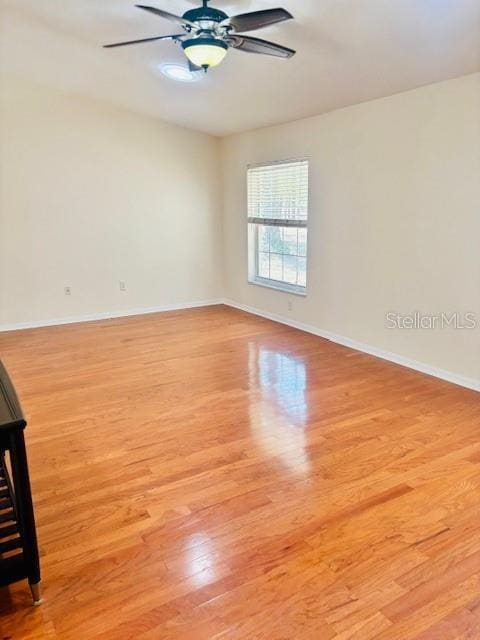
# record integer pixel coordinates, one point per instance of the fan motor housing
(205, 40)
(205, 13)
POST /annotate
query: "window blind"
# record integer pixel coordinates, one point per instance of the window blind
(278, 193)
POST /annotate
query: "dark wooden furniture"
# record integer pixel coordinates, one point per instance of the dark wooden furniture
(18, 539)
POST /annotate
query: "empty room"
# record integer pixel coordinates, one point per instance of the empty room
(240, 320)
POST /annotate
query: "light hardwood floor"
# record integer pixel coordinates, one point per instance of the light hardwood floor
(211, 475)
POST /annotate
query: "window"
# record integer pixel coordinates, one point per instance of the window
(277, 222)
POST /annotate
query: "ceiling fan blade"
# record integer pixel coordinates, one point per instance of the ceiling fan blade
(257, 19)
(168, 16)
(256, 45)
(123, 44)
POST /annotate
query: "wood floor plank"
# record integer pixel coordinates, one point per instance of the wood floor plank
(211, 475)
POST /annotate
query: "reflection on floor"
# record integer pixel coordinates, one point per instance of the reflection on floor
(279, 417)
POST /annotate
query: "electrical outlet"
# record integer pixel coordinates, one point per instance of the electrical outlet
(290, 305)
(123, 286)
(68, 291)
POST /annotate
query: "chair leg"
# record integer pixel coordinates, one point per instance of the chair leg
(36, 594)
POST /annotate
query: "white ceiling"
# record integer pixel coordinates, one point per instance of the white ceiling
(349, 51)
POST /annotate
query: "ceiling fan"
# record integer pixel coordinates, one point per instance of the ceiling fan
(208, 34)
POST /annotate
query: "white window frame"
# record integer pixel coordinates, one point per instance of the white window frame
(253, 250)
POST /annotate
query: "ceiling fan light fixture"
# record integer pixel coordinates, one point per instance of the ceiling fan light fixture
(205, 52)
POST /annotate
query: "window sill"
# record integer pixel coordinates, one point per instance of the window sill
(290, 289)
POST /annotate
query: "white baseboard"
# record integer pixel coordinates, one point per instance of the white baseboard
(106, 315)
(469, 383)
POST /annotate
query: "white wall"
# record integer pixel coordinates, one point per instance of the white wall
(90, 195)
(394, 219)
